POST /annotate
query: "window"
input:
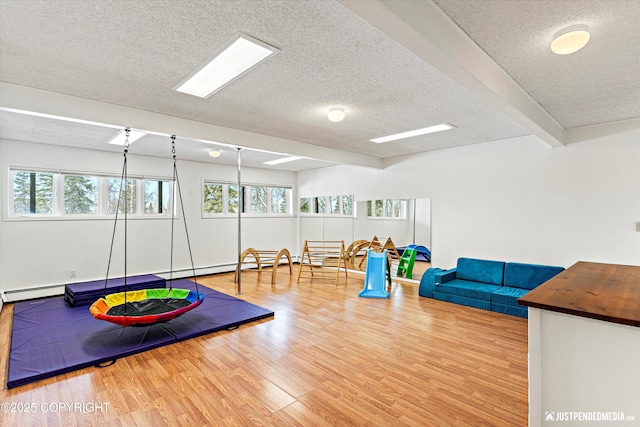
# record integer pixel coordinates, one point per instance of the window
(58, 194)
(234, 201)
(80, 194)
(213, 198)
(397, 208)
(378, 208)
(225, 199)
(333, 205)
(259, 200)
(305, 205)
(278, 200)
(319, 205)
(220, 198)
(347, 205)
(387, 209)
(33, 193)
(157, 197)
(121, 193)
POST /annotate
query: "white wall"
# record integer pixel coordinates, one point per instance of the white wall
(399, 231)
(422, 222)
(42, 252)
(515, 200)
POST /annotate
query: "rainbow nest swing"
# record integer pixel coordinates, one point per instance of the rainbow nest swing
(147, 306)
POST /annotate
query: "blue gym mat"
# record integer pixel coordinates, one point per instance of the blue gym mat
(50, 338)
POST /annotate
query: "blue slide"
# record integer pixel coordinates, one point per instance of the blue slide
(375, 276)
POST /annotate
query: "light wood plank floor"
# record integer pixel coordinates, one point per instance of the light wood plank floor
(327, 358)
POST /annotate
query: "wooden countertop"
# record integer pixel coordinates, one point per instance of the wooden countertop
(606, 292)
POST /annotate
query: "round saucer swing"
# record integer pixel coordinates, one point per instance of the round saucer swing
(147, 306)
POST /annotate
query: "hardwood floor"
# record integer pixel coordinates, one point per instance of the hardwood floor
(327, 358)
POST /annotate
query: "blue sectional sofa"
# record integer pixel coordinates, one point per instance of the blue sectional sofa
(490, 285)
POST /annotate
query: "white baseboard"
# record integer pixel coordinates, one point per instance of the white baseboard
(16, 295)
(33, 293)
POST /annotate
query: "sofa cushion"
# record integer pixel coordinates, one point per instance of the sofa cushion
(508, 295)
(470, 302)
(528, 276)
(480, 270)
(509, 309)
(466, 288)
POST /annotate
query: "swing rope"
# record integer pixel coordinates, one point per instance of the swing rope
(176, 181)
(123, 182)
(124, 185)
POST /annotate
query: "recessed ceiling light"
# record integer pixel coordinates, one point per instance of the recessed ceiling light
(281, 160)
(409, 134)
(121, 136)
(336, 114)
(215, 153)
(570, 39)
(236, 58)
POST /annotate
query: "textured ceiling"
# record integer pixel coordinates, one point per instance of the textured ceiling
(598, 84)
(131, 53)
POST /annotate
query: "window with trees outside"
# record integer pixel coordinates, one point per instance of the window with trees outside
(157, 196)
(331, 205)
(56, 194)
(220, 199)
(121, 194)
(80, 194)
(387, 209)
(33, 193)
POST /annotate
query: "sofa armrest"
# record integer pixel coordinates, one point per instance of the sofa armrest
(445, 276)
(427, 282)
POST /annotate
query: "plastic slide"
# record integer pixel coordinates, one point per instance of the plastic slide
(375, 276)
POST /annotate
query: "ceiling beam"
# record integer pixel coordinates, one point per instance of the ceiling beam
(39, 101)
(587, 133)
(422, 28)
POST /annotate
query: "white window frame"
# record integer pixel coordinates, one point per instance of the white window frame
(373, 216)
(247, 208)
(59, 195)
(327, 199)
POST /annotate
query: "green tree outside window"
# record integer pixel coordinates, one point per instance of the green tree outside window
(80, 194)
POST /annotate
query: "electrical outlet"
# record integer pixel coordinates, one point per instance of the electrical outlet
(72, 274)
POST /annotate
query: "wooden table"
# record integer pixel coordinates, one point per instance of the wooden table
(600, 291)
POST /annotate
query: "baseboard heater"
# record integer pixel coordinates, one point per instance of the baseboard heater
(44, 291)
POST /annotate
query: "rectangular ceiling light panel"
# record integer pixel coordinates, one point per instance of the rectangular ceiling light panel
(121, 137)
(239, 56)
(282, 160)
(411, 133)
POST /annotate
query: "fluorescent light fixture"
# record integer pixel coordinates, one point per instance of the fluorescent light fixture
(336, 114)
(237, 57)
(411, 133)
(281, 160)
(66, 119)
(120, 137)
(570, 39)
